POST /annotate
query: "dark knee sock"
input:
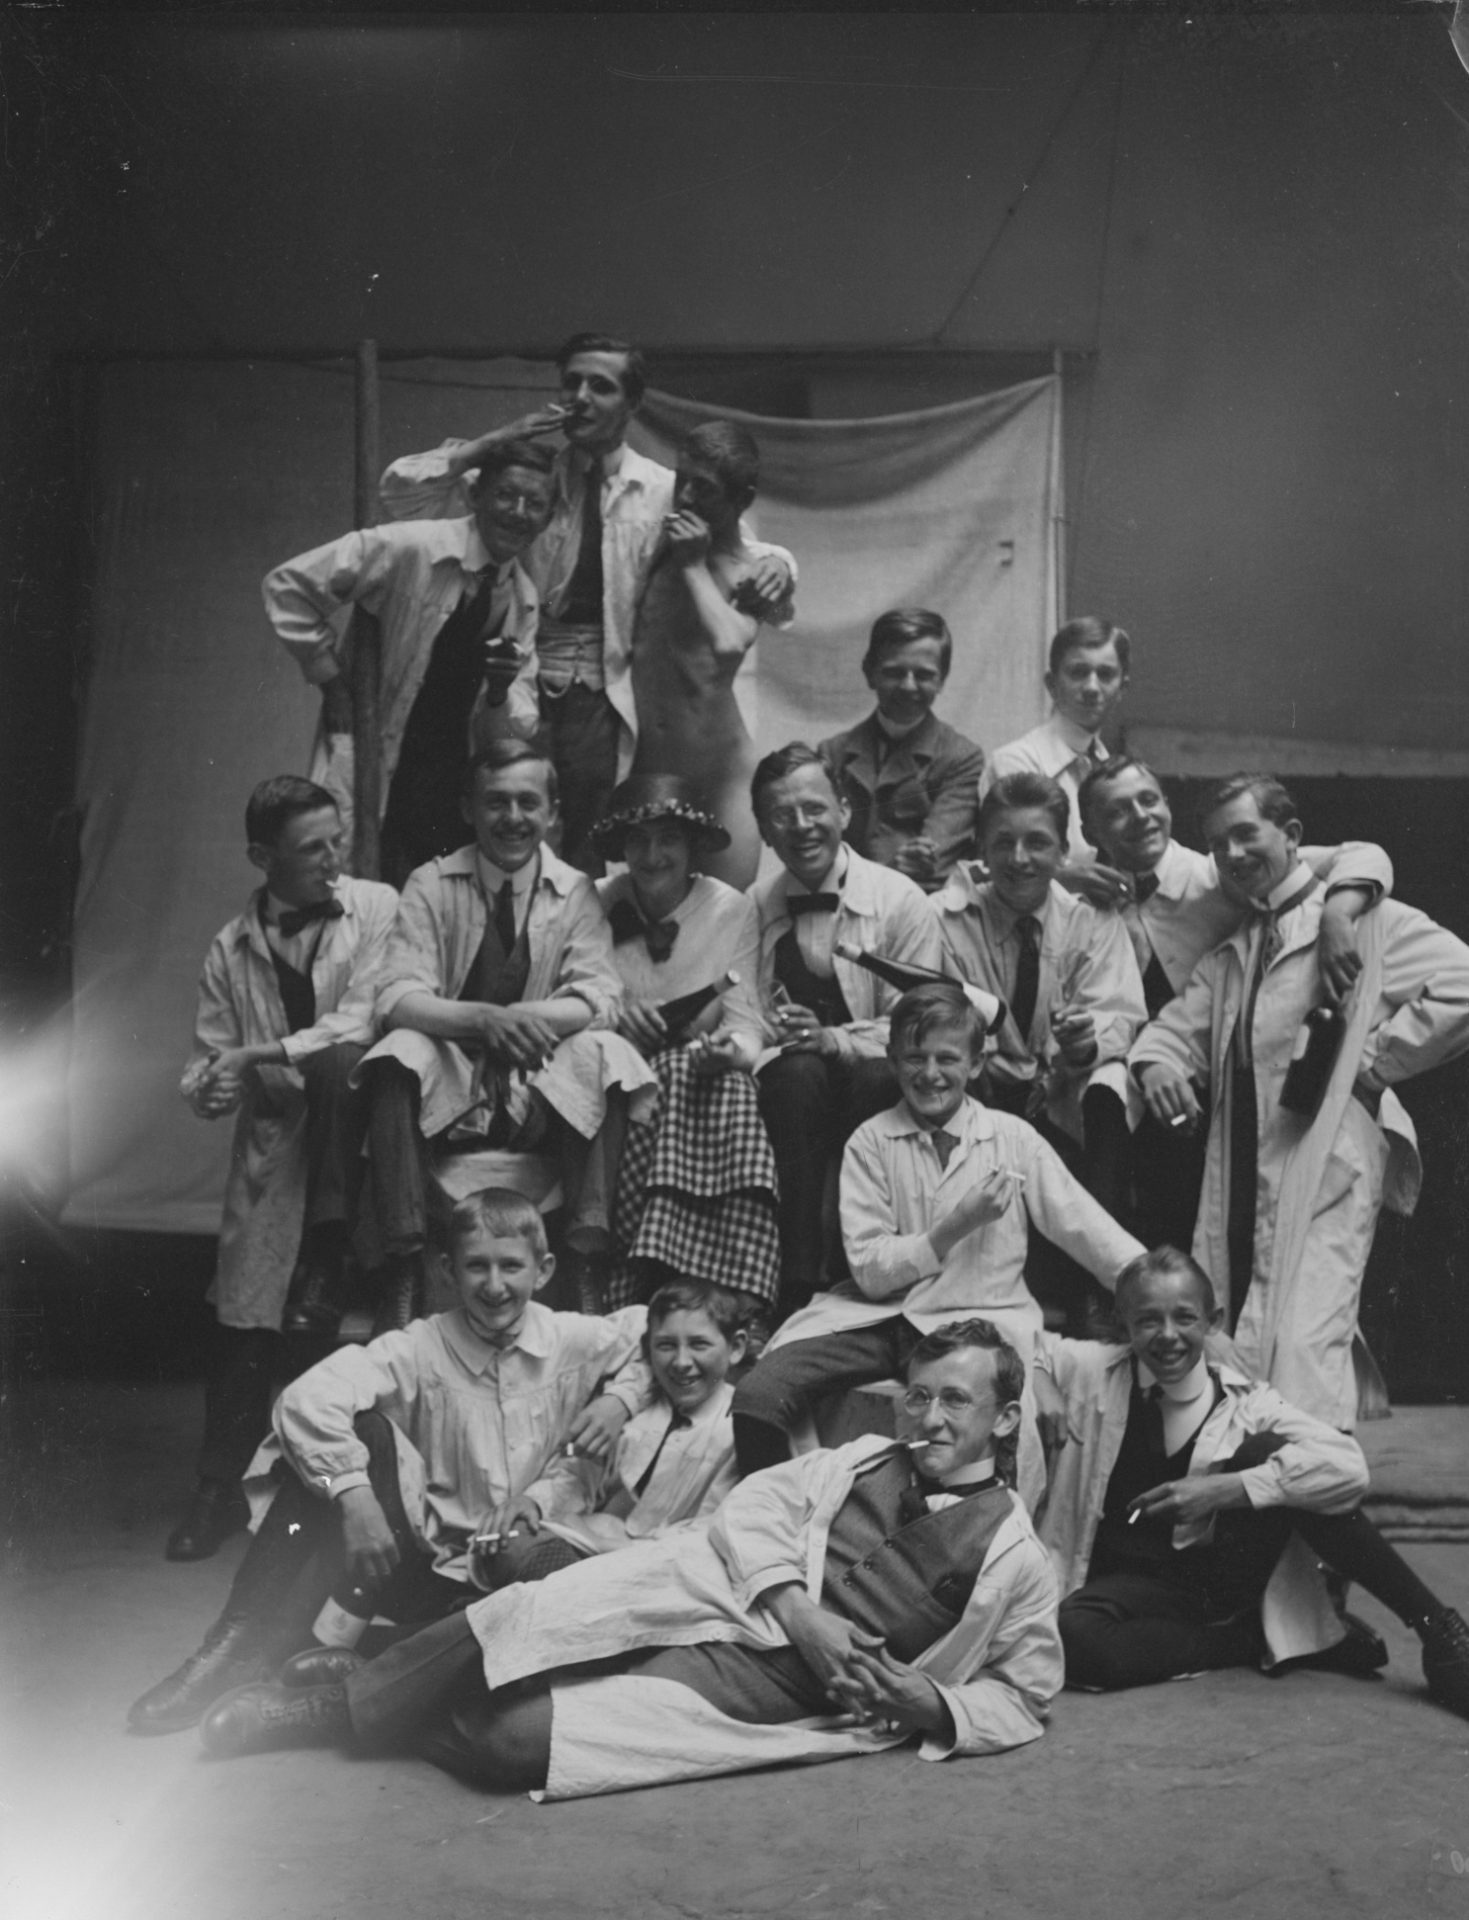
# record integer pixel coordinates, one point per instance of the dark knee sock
(1351, 1545)
(758, 1443)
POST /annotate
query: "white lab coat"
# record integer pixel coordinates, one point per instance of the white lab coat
(997, 1669)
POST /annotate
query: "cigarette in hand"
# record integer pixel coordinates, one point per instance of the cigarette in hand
(569, 1452)
(492, 1540)
(1134, 1516)
(1016, 1176)
(1179, 1120)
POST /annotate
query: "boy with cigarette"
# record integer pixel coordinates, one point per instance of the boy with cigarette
(388, 1459)
(1188, 1501)
(938, 1195)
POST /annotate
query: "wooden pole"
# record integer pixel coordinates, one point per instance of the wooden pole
(364, 641)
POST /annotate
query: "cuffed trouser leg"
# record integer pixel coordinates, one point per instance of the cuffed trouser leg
(784, 1385)
(396, 1158)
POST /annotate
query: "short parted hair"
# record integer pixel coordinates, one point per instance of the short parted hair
(502, 1214)
(1104, 771)
(634, 367)
(500, 754)
(934, 1007)
(1088, 631)
(1160, 1261)
(696, 1296)
(275, 803)
(534, 454)
(1275, 800)
(780, 765)
(729, 451)
(903, 624)
(1025, 789)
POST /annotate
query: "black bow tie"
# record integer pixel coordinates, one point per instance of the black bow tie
(799, 903)
(628, 924)
(294, 918)
(1145, 885)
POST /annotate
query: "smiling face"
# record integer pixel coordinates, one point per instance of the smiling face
(1253, 854)
(660, 859)
(306, 861)
(511, 812)
(933, 1072)
(907, 680)
(1023, 852)
(1087, 685)
(592, 385)
(1167, 1318)
(951, 1404)
(1130, 820)
(691, 1357)
(802, 820)
(494, 1278)
(510, 509)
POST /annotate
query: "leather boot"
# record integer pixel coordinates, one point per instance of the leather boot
(255, 1719)
(402, 1296)
(1445, 1638)
(320, 1666)
(232, 1654)
(316, 1299)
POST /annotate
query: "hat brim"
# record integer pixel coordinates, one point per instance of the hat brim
(609, 835)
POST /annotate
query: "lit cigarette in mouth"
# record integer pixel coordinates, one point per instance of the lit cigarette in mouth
(915, 1446)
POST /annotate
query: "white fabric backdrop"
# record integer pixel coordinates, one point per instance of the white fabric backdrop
(207, 475)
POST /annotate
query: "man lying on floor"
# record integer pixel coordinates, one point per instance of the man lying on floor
(1189, 1505)
(839, 1603)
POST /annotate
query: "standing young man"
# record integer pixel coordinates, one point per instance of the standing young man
(286, 1004)
(589, 564)
(1290, 1200)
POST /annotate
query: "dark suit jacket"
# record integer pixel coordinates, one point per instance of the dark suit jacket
(927, 784)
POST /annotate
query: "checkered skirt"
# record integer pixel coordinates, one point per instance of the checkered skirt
(696, 1190)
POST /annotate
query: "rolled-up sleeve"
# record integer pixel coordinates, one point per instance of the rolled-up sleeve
(1319, 1468)
(304, 596)
(415, 959)
(586, 969)
(760, 1531)
(420, 486)
(314, 1415)
(217, 1026)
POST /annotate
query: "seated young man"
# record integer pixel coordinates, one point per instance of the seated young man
(698, 618)
(828, 1014)
(1089, 664)
(1065, 970)
(673, 1462)
(285, 1013)
(500, 990)
(911, 782)
(1184, 1500)
(389, 1458)
(938, 1198)
(836, 1605)
(1175, 911)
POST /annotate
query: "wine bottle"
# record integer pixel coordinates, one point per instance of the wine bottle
(903, 974)
(1317, 1045)
(677, 1013)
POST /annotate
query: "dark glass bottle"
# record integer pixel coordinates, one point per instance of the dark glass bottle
(1317, 1045)
(677, 1013)
(903, 974)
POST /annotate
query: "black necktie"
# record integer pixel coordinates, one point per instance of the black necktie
(799, 903)
(944, 1143)
(1144, 885)
(294, 918)
(628, 924)
(1153, 1421)
(678, 1421)
(505, 917)
(1027, 973)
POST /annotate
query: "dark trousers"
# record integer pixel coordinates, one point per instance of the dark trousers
(810, 1104)
(1168, 1174)
(336, 1127)
(1132, 1629)
(296, 1562)
(1068, 1294)
(580, 727)
(237, 1391)
(785, 1385)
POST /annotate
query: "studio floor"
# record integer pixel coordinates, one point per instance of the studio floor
(1232, 1795)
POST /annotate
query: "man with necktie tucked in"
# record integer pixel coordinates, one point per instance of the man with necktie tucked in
(837, 1604)
(499, 997)
(1176, 912)
(828, 1015)
(1290, 1201)
(1089, 662)
(286, 1004)
(458, 619)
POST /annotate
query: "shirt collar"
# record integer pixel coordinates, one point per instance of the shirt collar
(969, 1475)
(492, 878)
(972, 1122)
(895, 732)
(835, 880)
(714, 1408)
(1172, 871)
(265, 905)
(1075, 739)
(1193, 1386)
(1296, 885)
(534, 1338)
